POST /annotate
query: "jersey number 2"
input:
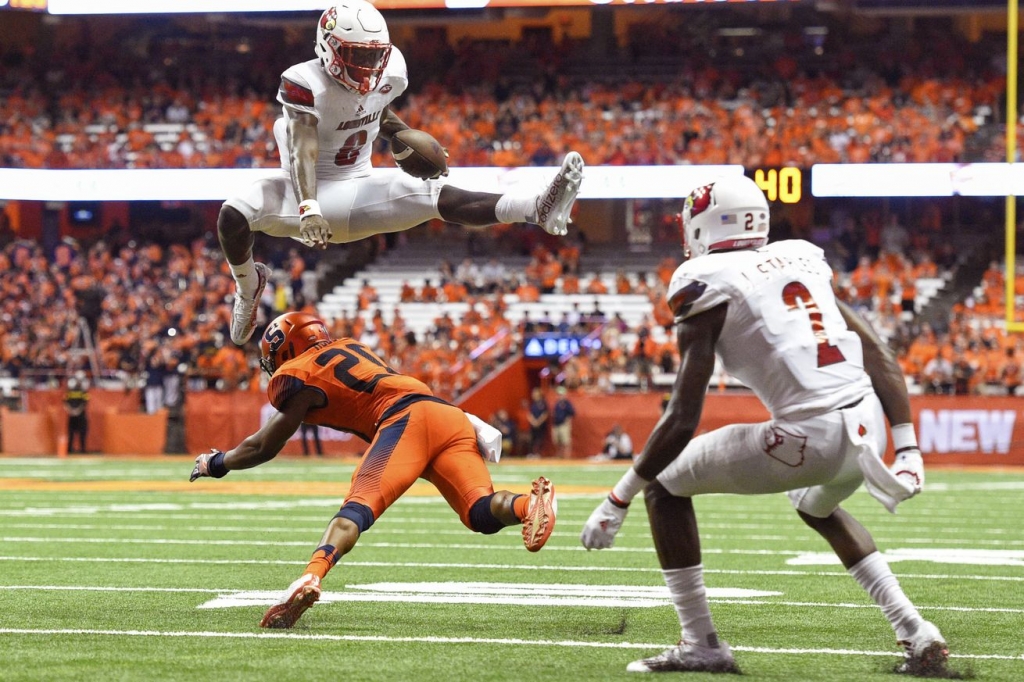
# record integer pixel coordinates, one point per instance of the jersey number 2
(795, 293)
(349, 152)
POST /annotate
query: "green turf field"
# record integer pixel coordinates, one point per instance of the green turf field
(116, 569)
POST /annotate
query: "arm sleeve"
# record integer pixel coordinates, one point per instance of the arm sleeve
(295, 93)
(282, 387)
(689, 296)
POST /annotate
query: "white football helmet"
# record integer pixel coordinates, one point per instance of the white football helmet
(731, 213)
(353, 44)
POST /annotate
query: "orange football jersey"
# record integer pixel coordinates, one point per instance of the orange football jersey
(358, 386)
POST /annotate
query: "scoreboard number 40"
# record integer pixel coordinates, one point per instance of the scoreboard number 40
(784, 184)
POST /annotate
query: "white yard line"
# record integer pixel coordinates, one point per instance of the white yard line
(500, 567)
(388, 529)
(553, 588)
(459, 640)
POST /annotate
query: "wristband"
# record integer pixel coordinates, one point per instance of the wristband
(616, 502)
(627, 488)
(904, 438)
(309, 207)
(216, 466)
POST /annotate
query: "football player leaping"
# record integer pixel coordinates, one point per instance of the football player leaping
(341, 384)
(335, 106)
(769, 312)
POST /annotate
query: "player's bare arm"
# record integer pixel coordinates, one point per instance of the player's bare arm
(891, 389)
(303, 148)
(880, 364)
(263, 445)
(695, 338)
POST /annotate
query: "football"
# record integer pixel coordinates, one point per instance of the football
(419, 154)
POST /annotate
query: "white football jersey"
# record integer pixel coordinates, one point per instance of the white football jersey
(348, 122)
(783, 336)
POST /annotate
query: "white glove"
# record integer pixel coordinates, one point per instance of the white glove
(202, 467)
(890, 486)
(488, 438)
(909, 468)
(600, 529)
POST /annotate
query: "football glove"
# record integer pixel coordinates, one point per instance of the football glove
(315, 231)
(600, 529)
(909, 468)
(202, 467)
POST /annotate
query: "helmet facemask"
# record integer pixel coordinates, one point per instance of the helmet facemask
(358, 66)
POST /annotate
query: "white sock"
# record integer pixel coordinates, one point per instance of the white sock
(514, 209)
(686, 585)
(875, 576)
(246, 280)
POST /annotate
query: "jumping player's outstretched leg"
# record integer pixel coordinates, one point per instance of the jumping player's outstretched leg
(236, 240)
(924, 647)
(550, 208)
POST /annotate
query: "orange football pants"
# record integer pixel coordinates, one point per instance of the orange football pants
(429, 440)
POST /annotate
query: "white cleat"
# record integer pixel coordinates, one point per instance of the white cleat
(552, 207)
(925, 652)
(243, 315)
(686, 657)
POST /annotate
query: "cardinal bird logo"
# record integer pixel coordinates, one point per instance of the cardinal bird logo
(329, 20)
(699, 200)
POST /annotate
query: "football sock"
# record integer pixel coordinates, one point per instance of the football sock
(245, 276)
(514, 209)
(686, 585)
(520, 503)
(875, 576)
(322, 561)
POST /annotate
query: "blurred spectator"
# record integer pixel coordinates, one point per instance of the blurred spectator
(76, 402)
(504, 423)
(1011, 372)
(562, 413)
(617, 445)
(539, 417)
(307, 432)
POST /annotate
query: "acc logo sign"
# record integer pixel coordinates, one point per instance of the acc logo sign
(984, 431)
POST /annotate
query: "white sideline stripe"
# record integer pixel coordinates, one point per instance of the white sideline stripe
(502, 567)
(459, 640)
(85, 588)
(457, 532)
(800, 556)
(388, 545)
(350, 593)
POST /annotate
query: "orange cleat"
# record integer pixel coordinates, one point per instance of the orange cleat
(301, 595)
(540, 514)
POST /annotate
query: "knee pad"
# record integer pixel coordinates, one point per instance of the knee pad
(359, 514)
(481, 520)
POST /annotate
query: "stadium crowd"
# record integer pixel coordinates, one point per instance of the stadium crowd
(781, 104)
(161, 311)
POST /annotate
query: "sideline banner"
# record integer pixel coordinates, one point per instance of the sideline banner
(969, 430)
(215, 419)
(951, 429)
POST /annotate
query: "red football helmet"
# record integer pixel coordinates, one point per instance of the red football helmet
(289, 336)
